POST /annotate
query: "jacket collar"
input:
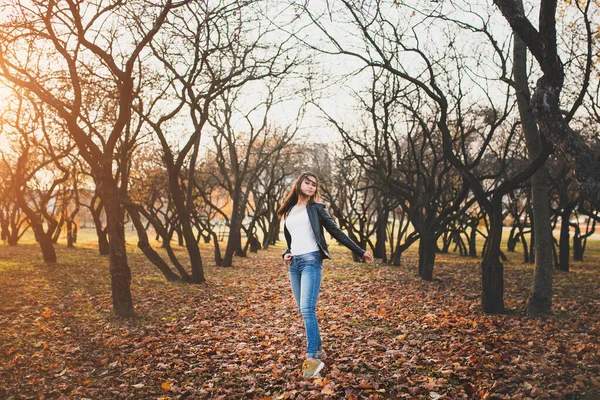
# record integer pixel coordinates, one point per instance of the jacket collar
(309, 205)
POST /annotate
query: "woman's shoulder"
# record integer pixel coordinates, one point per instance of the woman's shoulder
(318, 204)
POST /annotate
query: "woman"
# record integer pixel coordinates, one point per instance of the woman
(306, 249)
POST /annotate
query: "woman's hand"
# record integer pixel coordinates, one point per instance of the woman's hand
(287, 259)
(368, 257)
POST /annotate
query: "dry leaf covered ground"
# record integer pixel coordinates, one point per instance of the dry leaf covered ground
(387, 333)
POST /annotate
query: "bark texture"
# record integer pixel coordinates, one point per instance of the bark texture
(540, 300)
(545, 101)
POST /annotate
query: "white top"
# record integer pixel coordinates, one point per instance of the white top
(303, 238)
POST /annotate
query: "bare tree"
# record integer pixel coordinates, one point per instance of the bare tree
(221, 45)
(270, 188)
(90, 86)
(553, 123)
(518, 205)
(349, 192)
(241, 157)
(96, 209)
(443, 75)
(13, 223)
(403, 155)
(540, 301)
(37, 171)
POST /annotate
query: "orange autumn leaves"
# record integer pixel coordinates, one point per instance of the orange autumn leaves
(387, 333)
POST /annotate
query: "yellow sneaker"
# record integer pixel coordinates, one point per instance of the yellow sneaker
(311, 367)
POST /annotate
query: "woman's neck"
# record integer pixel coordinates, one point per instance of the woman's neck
(302, 201)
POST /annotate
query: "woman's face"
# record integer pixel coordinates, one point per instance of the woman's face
(308, 186)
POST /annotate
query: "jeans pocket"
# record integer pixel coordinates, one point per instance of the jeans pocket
(315, 262)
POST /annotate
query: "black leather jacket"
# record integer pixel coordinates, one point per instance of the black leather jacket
(319, 217)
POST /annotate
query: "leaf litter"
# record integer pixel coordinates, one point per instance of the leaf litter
(387, 333)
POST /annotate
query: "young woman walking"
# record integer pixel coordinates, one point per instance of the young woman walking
(306, 249)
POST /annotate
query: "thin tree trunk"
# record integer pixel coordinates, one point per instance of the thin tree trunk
(381, 227)
(473, 241)
(43, 238)
(492, 270)
(563, 244)
(511, 243)
(180, 237)
(103, 245)
(526, 258)
(234, 239)
(4, 227)
(162, 233)
(149, 252)
(71, 233)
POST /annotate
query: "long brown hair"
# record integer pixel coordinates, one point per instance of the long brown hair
(292, 198)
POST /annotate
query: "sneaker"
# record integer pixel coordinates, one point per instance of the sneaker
(311, 367)
(321, 355)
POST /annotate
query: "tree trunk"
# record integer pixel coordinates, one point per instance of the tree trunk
(526, 258)
(168, 237)
(13, 239)
(234, 239)
(275, 230)
(397, 248)
(119, 269)
(273, 234)
(103, 245)
(473, 241)
(578, 248)
(180, 241)
(397, 257)
(186, 230)
(511, 243)
(149, 252)
(218, 258)
(427, 247)
(162, 233)
(532, 236)
(551, 121)
(462, 248)
(3, 228)
(447, 239)
(193, 252)
(55, 230)
(45, 242)
(563, 244)
(70, 233)
(381, 227)
(44, 239)
(492, 270)
(540, 301)
(254, 243)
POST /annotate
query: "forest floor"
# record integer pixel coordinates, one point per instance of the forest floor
(387, 333)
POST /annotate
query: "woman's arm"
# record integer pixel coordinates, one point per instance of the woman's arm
(337, 233)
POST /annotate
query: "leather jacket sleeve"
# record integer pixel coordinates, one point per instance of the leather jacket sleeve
(331, 227)
(288, 240)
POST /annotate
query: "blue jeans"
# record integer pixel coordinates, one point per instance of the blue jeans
(305, 276)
